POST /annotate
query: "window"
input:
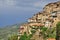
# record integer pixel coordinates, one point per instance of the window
(53, 14)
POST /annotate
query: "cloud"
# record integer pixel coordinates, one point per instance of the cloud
(6, 3)
(42, 3)
(37, 3)
(24, 4)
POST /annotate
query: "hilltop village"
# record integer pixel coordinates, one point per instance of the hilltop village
(47, 18)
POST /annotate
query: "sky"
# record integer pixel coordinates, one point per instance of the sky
(18, 11)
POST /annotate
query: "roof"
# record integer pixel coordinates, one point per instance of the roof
(51, 39)
(36, 24)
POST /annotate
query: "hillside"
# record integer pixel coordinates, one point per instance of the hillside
(43, 24)
(7, 31)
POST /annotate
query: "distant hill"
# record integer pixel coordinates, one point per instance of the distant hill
(7, 31)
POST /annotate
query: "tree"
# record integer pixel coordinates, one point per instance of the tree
(58, 31)
(13, 37)
(25, 37)
(48, 32)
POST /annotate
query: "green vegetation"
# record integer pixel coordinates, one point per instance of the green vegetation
(58, 31)
(13, 37)
(48, 32)
(25, 37)
(33, 31)
(10, 33)
(7, 31)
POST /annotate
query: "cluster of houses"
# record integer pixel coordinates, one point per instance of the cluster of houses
(47, 18)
